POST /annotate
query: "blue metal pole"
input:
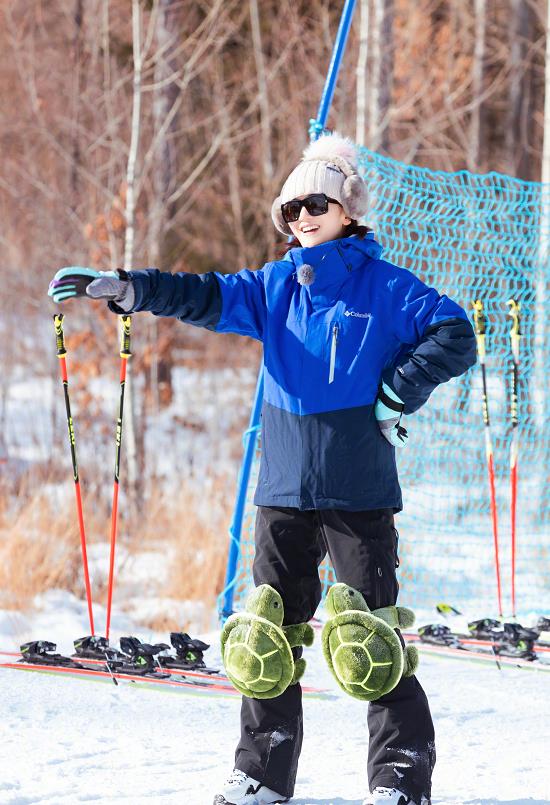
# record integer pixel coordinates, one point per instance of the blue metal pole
(316, 128)
(235, 529)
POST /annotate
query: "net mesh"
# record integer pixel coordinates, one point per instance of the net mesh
(470, 236)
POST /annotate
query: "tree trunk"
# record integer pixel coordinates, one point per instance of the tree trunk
(361, 121)
(77, 56)
(540, 380)
(162, 241)
(478, 73)
(233, 176)
(520, 99)
(382, 74)
(133, 451)
(265, 118)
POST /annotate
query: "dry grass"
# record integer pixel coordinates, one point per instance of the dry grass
(196, 537)
(40, 549)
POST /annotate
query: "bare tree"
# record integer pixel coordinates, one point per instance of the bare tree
(478, 76)
(265, 113)
(520, 101)
(361, 121)
(540, 344)
(381, 83)
(134, 450)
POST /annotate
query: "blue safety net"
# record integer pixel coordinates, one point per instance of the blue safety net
(470, 236)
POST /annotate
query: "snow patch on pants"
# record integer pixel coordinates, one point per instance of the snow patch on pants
(278, 736)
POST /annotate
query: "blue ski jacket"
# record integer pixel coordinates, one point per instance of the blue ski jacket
(327, 347)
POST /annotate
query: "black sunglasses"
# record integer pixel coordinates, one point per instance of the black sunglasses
(315, 204)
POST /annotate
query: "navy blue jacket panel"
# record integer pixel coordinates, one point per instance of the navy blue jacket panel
(327, 345)
(330, 460)
(445, 350)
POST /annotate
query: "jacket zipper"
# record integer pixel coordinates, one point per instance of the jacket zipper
(333, 353)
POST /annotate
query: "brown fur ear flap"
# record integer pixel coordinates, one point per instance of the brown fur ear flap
(277, 217)
(355, 196)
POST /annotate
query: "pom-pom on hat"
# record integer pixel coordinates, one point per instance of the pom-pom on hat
(329, 166)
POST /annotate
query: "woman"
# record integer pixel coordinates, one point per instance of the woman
(351, 342)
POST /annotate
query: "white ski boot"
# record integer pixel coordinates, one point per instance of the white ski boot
(391, 796)
(240, 789)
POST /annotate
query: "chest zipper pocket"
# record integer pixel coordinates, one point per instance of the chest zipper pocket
(333, 346)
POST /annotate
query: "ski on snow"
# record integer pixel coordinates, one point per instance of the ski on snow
(183, 684)
(490, 630)
(487, 640)
(483, 655)
(142, 664)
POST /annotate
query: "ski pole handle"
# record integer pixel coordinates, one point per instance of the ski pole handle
(480, 327)
(125, 331)
(515, 332)
(59, 336)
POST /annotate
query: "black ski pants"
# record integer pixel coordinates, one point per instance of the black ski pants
(362, 546)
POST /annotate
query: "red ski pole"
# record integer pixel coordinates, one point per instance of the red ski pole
(515, 334)
(480, 326)
(124, 355)
(61, 352)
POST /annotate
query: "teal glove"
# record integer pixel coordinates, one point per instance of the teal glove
(388, 411)
(75, 281)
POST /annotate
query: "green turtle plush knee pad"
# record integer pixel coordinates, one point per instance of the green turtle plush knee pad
(362, 648)
(257, 649)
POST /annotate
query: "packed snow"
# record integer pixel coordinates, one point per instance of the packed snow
(68, 741)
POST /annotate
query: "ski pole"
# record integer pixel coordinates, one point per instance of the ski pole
(480, 326)
(61, 352)
(124, 355)
(515, 334)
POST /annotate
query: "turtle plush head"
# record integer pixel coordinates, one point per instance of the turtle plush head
(342, 598)
(266, 602)
(256, 653)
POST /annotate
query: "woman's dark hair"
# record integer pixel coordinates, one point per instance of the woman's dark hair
(353, 228)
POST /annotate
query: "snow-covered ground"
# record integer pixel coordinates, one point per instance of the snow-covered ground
(69, 741)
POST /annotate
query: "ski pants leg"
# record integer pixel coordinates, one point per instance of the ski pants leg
(290, 545)
(288, 553)
(362, 547)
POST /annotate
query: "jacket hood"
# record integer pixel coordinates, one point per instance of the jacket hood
(355, 248)
(323, 268)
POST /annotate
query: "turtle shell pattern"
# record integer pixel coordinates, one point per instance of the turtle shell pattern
(256, 655)
(364, 653)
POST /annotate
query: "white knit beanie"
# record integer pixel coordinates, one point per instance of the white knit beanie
(329, 166)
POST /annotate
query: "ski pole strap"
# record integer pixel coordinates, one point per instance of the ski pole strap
(126, 325)
(390, 402)
(59, 336)
(480, 327)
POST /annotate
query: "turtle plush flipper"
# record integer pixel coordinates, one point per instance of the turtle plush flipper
(362, 650)
(299, 634)
(256, 652)
(401, 618)
(411, 658)
(299, 670)
(396, 617)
